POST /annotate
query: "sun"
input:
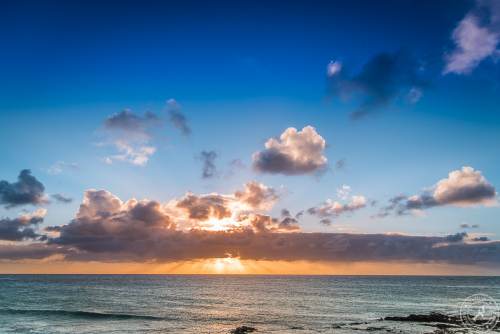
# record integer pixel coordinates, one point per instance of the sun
(227, 265)
(215, 224)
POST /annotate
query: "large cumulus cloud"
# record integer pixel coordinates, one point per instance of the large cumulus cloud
(463, 187)
(27, 190)
(294, 152)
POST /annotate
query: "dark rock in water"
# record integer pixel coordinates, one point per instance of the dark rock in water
(243, 330)
(444, 323)
(432, 317)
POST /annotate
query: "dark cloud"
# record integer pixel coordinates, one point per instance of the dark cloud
(465, 225)
(204, 207)
(170, 245)
(257, 195)
(22, 227)
(61, 198)
(293, 153)
(27, 190)
(127, 121)
(177, 118)
(340, 164)
(285, 213)
(209, 169)
(457, 237)
(105, 223)
(464, 187)
(380, 82)
(326, 221)
(289, 224)
(34, 251)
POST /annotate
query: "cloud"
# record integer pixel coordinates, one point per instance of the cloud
(107, 229)
(22, 227)
(61, 198)
(105, 223)
(414, 95)
(464, 187)
(209, 169)
(343, 192)
(326, 221)
(333, 68)
(257, 196)
(137, 155)
(293, 153)
(380, 82)
(33, 251)
(131, 134)
(27, 190)
(465, 225)
(476, 38)
(340, 164)
(204, 207)
(60, 166)
(457, 237)
(170, 245)
(131, 123)
(177, 118)
(333, 209)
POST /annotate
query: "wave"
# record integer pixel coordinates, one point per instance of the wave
(81, 314)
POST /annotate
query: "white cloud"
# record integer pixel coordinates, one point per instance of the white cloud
(294, 152)
(343, 192)
(473, 42)
(333, 68)
(135, 154)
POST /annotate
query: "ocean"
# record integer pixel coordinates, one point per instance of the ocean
(218, 304)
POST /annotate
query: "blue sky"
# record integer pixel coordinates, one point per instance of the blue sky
(243, 73)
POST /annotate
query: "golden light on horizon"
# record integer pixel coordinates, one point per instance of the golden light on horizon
(227, 265)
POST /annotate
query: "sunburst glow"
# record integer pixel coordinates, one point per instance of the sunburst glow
(227, 265)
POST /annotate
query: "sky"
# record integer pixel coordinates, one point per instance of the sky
(335, 137)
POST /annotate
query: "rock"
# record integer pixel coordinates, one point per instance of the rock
(243, 330)
(432, 317)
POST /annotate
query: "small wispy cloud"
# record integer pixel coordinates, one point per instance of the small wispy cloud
(177, 118)
(61, 166)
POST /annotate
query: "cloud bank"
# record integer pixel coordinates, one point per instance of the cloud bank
(107, 229)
